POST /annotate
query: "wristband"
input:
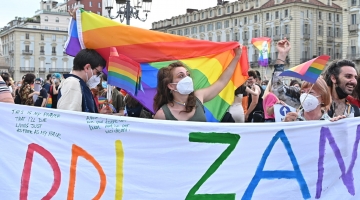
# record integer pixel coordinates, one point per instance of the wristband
(280, 60)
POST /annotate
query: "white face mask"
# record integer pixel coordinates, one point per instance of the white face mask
(185, 86)
(310, 102)
(93, 81)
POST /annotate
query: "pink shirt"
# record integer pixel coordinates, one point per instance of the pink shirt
(269, 101)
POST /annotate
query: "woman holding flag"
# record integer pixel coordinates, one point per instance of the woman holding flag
(176, 99)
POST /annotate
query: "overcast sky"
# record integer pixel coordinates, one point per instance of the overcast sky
(160, 9)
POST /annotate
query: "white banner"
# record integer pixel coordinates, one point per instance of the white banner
(54, 154)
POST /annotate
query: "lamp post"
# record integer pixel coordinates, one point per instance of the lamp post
(125, 11)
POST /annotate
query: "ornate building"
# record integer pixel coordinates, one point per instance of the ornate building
(314, 27)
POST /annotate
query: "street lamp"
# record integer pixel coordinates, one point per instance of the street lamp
(125, 11)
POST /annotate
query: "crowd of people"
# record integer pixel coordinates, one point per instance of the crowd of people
(334, 95)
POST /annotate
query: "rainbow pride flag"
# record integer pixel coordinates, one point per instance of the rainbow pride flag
(154, 50)
(308, 71)
(263, 45)
(124, 72)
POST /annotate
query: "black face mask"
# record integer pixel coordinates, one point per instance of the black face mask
(341, 94)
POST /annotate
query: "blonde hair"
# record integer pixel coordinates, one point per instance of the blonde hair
(324, 91)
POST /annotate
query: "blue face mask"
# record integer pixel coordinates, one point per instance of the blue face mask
(264, 87)
(104, 84)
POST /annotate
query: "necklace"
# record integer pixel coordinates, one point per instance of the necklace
(183, 104)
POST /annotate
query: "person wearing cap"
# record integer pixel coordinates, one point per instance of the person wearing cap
(54, 89)
(42, 97)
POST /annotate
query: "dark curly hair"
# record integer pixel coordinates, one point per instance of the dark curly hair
(334, 69)
(164, 95)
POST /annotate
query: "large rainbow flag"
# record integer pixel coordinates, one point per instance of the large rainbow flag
(154, 50)
(308, 71)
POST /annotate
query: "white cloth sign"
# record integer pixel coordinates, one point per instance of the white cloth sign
(54, 154)
(280, 111)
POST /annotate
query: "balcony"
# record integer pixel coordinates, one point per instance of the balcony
(287, 35)
(253, 64)
(27, 69)
(302, 60)
(330, 39)
(245, 42)
(27, 52)
(353, 27)
(353, 56)
(306, 36)
(53, 53)
(277, 37)
(59, 70)
(11, 51)
(42, 70)
(42, 52)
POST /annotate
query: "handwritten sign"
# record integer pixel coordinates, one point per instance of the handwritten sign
(54, 154)
(280, 111)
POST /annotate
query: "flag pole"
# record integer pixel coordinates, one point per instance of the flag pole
(305, 97)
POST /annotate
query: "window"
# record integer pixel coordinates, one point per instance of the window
(276, 14)
(99, 5)
(218, 39)
(319, 15)
(57, 28)
(245, 36)
(329, 17)
(319, 51)
(277, 30)
(235, 22)
(57, 19)
(46, 18)
(256, 33)
(246, 5)
(353, 50)
(353, 2)
(268, 32)
(41, 48)
(186, 31)
(210, 13)
(202, 28)
(338, 33)
(245, 20)
(53, 37)
(180, 20)
(353, 18)
(202, 15)
(337, 18)
(236, 37)
(218, 25)
(195, 17)
(227, 37)
(194, 30)
(27, 48)
(210, 27)
(228, 10)
(187, 18)
(210, 38)
(286, 12)
(179, 32)
(27, 36)
(42, 37)
(307, 13)
(257, 3)
(46, 27)
(320, 30)
(64, 38)
(267, 16)
(53, 50)
(219, 11)
(329, 33)
(48, 7)
(90, 4)
(227, 24)
(306, 29)
(255, 18)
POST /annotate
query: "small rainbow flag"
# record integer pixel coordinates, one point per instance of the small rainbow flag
(263, 44)
(102, 100)
(154, 50)
(123, 72)
(308, 71)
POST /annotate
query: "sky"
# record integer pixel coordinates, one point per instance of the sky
(160, 9)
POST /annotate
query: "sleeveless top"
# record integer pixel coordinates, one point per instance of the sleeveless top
(199, 115)
(259, 105)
